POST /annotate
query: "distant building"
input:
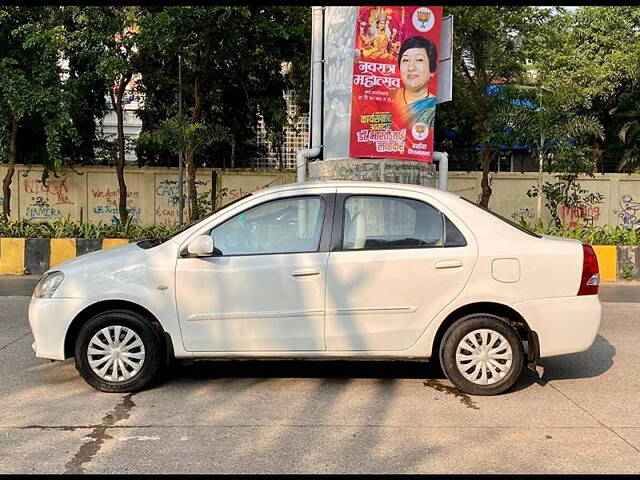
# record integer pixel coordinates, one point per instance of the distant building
(296, 137)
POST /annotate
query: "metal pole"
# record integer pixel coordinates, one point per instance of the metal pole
(180, 159)
(540, 164)
(317, 39)
(443, 171)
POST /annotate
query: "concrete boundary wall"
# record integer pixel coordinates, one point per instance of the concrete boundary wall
(92, 193)
(621, 204)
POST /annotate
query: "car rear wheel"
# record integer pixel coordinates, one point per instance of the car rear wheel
(119, 351)
(482, 355)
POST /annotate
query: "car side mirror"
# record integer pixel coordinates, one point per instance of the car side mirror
(202, 245)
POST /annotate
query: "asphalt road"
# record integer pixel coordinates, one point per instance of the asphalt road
(308, 417)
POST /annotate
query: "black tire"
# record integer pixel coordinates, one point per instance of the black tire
(456, 333)
(152, 340)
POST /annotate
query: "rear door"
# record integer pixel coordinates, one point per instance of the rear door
(396, 261)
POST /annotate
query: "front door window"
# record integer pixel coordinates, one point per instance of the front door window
(282, 226)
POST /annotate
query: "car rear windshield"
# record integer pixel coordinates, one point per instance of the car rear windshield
(506, 220)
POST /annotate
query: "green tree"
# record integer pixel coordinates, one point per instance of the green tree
(232, 74)
(83, 84)
(107, 36)
(596, 51)
(32, 90)
(176, 134)
(491, 45)
(628, 112)
(541, 118)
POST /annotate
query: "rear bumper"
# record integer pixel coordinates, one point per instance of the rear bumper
(564, 325)
(49, 319)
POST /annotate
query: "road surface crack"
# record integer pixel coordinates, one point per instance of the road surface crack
(14, 341)
(98, 435)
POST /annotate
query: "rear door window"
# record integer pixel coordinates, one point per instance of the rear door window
(380, 222)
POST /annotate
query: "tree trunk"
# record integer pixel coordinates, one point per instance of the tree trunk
(540, 181)
(485, 160)
(477, 83)
(116, 101)
(233, 150)
(485, 153)
(596, 155)
(191, 161)
(6, 183)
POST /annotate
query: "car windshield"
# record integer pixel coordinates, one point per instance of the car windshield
(154, 242)
(506, 220)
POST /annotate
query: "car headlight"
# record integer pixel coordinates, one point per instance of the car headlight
(48, 285)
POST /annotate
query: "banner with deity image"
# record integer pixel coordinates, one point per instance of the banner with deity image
(395, 83)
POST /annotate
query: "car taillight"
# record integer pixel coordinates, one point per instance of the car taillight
(590, 276)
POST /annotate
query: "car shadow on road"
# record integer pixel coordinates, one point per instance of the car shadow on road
(380, 369)
(591, 363)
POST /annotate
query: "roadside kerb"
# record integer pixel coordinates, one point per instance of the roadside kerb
(32, 256)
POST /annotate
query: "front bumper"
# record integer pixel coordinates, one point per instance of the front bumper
(49, 319)
(564, 325)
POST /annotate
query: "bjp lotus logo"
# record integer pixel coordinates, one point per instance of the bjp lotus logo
(420, 131)
(423, 19)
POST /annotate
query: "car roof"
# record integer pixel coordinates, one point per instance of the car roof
(398, 187)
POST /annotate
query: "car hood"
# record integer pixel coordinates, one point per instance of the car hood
(122, 272)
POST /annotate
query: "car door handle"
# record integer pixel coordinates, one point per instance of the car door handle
(448, 264)
(305, 272)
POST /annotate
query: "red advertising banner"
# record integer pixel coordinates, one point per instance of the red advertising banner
(394, 84)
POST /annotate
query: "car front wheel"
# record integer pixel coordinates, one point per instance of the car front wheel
(119, 351)
(482, 355)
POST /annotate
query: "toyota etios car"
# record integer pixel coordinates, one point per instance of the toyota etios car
(325, 270)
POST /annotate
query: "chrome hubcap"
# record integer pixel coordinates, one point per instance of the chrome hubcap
(116, 353)
(484, 356)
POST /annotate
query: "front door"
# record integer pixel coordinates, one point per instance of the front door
(264, 290)
(395, 270)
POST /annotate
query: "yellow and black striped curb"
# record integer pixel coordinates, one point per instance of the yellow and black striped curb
(32, 256)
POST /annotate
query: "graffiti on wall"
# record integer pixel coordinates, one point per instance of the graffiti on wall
(39, 209)
(55, 189)
(107, 201)
(628, 212)
(168, 199)
(523, 214)
(231, 193)
(574, 216)
(46, 200)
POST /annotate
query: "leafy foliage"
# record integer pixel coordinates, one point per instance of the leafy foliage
(558, 136)
(596, 235)
(66, 228)
(32, 92)
(595, 51)
(491, 46)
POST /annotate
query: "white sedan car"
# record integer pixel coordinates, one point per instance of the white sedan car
(338, 270)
